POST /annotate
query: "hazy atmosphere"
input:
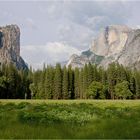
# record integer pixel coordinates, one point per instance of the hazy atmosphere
(51, 31)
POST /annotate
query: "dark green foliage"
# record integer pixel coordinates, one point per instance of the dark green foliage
(98, 59)
(132, 85)
(70, 83)
(81, 84)
(85, 80)
(87, 53)
(48, 82)
(77, 83)
(67, 83)
(14, 84)
(42, 84)
(95, 58)
(112, 79)
(58, 82)
(89, 73)
(137, 80)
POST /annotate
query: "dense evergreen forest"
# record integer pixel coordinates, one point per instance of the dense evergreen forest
(14, 84)
(90, 82)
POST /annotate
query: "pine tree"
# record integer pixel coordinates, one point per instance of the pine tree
(95, 73)
(137, 79)
(133, 85)
(22, 86)
(42, 93)
(65, 84)
(71, 83)
(76, 83)
(81, 84)
(36, 80)
(85, 80)
(102, 75)
(3, 87)
(58, 82)
(121, 73)
(49, 83)
(112, 79)
(90, 73)
(14, 82)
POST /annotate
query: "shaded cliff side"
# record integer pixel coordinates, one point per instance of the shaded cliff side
(10, 46)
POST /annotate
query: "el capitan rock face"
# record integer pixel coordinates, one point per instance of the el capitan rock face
(115, 43)
(10, 46)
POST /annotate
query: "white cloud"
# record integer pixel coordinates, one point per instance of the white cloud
(75, 34)
(96, 22)
(138, 26)
(50, 53)
(73, 22)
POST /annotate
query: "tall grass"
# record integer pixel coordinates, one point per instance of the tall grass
(69, 119)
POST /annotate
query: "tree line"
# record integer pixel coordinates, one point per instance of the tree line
(89, 82)
(14, 84)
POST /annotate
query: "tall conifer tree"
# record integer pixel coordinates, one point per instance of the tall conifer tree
(58, 82)
(76, 83)
(65, 84)
(71, 82)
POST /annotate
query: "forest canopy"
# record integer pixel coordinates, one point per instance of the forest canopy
(89, 82)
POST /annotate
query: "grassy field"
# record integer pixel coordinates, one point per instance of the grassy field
(61, 119)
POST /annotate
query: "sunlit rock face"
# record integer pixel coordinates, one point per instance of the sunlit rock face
(115, 43)
(111, 40)
(130, 56)
(77, 61)
(10, 46)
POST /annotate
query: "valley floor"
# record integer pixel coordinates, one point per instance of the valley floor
(61, 119)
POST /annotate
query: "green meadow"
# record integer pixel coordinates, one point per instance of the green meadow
(73, 119)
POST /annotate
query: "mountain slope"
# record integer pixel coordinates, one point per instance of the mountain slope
(115, 43)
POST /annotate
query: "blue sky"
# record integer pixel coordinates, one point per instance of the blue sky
(53, 30)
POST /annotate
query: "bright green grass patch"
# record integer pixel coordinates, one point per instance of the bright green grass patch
(30, 119)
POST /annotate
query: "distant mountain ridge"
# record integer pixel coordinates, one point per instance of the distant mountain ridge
(115, 43)
(10, 46)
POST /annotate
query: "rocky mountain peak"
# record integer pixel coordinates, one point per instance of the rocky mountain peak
(114, 43)
(10, 46)
(77, 61)
(111, 39)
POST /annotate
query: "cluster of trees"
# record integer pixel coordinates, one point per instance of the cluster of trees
(89, 82)
(14, 84)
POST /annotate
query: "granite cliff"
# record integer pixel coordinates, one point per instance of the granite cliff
(115, 43)
(10, 46)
